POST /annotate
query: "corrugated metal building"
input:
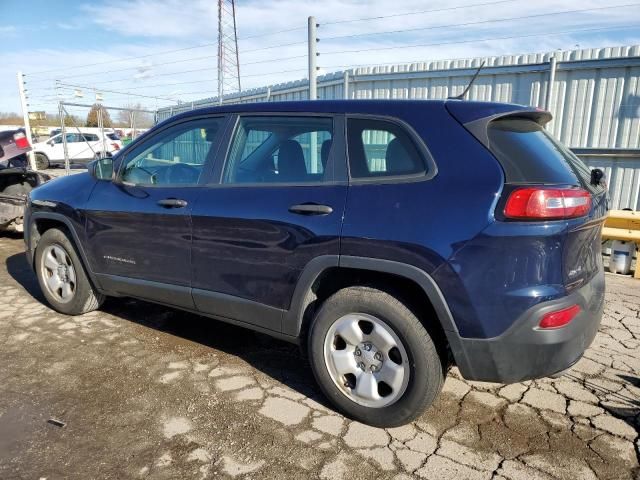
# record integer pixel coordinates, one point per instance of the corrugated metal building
(594, 98)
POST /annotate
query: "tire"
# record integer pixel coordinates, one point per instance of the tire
(55, 248)
(387, 320)
(18, 189)
(42, 161)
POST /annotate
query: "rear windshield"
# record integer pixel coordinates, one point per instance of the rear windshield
(528, 153)
(113, 136)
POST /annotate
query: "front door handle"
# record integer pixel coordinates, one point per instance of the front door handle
(172, 203)
(311, 209)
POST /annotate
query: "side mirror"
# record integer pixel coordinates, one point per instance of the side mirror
(50, 142)
(101, 169)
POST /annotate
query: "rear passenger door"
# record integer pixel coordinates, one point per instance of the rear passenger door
(390, 208)
(274, 205)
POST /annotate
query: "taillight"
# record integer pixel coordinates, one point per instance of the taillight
(21, 140)
(533, 203)
(559, 318)
(115, 146)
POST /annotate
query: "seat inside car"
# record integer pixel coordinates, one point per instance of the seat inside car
(397, 159)
(324, 153)
(291, 165)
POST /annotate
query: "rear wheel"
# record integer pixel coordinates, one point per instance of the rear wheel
(61, 275)
(373, 358)
(42, 161)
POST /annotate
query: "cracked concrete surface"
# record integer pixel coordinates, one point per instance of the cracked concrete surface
(150, 392)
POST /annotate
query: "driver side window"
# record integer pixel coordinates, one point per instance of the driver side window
(176, 156)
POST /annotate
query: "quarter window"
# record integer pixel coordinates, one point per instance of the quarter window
(280, 150)
(174, 157)
(378, 148)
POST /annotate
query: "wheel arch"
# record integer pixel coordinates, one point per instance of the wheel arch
(327, 274)
(40, 222)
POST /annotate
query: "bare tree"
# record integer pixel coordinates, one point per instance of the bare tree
(134, 117)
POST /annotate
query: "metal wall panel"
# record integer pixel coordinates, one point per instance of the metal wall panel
(595, 98)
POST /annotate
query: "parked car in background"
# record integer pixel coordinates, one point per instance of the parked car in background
(16, 178)
(82, 147)
(389, 238)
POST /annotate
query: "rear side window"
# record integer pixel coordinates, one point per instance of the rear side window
(280, 149)
(113, 136)
(379, 148)
(528, 153)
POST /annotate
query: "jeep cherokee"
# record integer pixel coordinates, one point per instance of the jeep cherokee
(390, 238)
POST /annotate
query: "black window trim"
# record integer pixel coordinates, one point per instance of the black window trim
(423, 150)
(207, 166)
(337, 155)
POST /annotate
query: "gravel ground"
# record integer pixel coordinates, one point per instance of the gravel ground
(144, 391)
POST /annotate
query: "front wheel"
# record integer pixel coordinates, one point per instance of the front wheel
(42, 162)
(62, 277)
(373, 358)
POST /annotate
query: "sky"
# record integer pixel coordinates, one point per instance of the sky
(125, 50)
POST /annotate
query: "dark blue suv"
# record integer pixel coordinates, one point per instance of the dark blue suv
(390, 238)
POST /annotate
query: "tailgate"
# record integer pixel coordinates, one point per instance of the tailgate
(531, 156)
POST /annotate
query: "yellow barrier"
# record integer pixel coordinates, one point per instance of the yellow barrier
(623, 225)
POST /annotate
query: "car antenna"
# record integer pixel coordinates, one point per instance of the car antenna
(473, 79)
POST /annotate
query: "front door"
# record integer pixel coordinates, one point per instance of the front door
(278, 204)
(139, 225)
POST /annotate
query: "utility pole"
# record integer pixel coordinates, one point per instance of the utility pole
(25, 119)
(228, 58)
(63, 112)
(553, 63)
(313, 70)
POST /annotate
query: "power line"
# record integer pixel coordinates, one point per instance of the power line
(130, 58)
(170, 63)
(204, 45)
(419, 12)
(272, 33)
(165, 52)
(69, 86)
(507, 37)
(479, 22)
(73, 87)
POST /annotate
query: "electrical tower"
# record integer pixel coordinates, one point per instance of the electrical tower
(228, 61)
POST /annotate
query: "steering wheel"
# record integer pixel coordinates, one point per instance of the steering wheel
(182, 173)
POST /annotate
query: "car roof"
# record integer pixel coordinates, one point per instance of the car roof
(373, 107)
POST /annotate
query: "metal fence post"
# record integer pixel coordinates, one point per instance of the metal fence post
(313, 87)
(25, 119)
(103, 153)
(345, 85)
(65, 149)
(550, 82)
(312, 44)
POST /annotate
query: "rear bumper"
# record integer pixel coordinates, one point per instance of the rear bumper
(524, 352)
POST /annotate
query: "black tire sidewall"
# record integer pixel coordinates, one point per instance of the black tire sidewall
(426, 367)
(84, 290)
(42, 159)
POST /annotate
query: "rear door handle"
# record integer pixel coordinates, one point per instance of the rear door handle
(172, 203)
(311, 209)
